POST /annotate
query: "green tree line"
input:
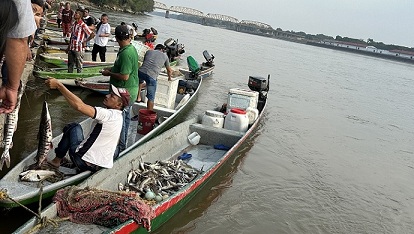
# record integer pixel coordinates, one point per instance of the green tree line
(135, 5)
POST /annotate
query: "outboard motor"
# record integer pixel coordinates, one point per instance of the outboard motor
(261, 85)
(193, 66)
(154, 31)
(173, 49)
(209, 59)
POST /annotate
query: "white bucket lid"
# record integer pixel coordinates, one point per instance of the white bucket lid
(213, 113)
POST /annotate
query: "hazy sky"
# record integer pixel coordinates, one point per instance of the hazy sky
(388, 21)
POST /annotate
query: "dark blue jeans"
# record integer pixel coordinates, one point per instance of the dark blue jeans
(72, 137)
(123, 138)
(151, 85)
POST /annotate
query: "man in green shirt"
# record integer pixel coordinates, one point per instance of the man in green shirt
(124, 74)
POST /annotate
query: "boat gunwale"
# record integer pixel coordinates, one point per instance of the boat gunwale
(80, 176)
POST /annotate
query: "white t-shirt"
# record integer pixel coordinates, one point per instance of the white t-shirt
(99, 145)
(27, 24)
(104, 29)
(130, 28)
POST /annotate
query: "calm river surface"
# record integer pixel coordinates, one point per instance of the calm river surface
(334, 153)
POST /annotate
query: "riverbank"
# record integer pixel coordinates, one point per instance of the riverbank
(364, 51)
(103, 8)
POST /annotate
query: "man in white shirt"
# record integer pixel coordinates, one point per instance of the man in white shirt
(97, 148)
(132, 30)
(101, 39)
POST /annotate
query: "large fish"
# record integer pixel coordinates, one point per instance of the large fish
(36, 175)
(44, 136)
(10, 125)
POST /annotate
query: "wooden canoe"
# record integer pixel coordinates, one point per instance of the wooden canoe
(46, 48)
(29, 192)
(100, 84)
(69, 78)
(61, 59)
(214, 148)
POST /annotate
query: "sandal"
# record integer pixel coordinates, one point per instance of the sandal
(50, 165)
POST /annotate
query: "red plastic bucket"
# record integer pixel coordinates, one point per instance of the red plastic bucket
(146, 121)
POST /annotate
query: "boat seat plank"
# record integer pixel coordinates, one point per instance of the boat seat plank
(212, 135)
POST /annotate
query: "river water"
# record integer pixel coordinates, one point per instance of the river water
(334, 152)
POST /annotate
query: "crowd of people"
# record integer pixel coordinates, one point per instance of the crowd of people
(108, 135)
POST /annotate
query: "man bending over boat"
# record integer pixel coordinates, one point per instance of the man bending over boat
(97, 149)
(151, 67)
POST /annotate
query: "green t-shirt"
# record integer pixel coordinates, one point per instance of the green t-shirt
(127, 63)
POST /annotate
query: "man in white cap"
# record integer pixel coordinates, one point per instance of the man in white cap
(97, 148)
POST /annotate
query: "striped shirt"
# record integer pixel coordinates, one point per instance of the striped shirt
(80, 32)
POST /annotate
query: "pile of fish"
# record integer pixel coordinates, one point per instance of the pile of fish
(162, 178)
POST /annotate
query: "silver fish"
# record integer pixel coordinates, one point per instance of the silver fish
(45, 135)
(10, 126)
(35, 175)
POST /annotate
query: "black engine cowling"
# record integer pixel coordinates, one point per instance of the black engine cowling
(173, 49)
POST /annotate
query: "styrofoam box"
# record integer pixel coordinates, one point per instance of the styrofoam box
(242, 98)
(166, 92)
(141, 49)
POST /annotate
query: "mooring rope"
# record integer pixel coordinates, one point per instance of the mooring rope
(43, 221)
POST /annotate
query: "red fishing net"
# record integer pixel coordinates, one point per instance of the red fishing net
(105, 208)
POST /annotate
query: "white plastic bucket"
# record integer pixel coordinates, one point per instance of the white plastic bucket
(194, 138)
(213, 119)
(252, 114)
(236, 120)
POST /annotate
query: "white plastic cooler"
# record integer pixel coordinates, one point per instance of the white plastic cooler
(166, 92)
(242, 98)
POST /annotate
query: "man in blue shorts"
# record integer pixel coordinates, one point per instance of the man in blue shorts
(154, 61)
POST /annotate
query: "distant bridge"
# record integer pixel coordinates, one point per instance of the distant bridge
(247, 26)
(191, 11)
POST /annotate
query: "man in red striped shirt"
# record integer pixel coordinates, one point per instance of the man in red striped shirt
(80, 35)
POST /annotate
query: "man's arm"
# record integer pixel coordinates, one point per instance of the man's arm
(16, 53)
(72, 99)
(91, 36)
(117, 76)
(169, 72)
(104, 35)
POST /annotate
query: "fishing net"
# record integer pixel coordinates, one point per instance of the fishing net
(105, 208)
